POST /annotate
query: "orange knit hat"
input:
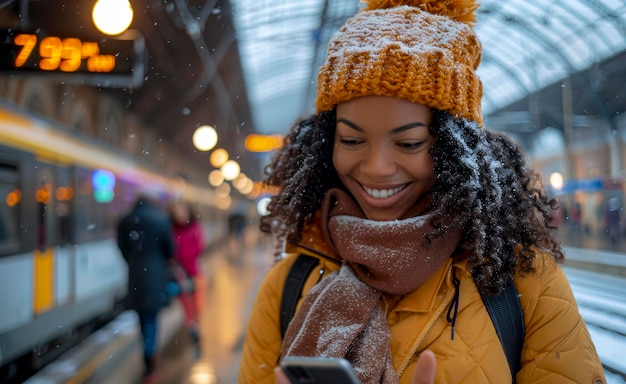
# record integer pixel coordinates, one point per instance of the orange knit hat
(423, 51)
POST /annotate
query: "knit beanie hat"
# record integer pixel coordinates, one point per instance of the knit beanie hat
(423, 51)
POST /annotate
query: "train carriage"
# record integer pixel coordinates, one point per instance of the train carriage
(61, 273)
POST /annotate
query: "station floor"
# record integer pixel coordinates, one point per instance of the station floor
(233, 273)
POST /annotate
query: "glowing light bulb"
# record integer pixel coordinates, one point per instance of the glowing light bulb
(204, 138)
(112, 17)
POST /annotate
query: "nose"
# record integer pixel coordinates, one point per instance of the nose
(378, 162)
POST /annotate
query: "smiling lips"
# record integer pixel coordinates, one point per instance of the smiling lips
(383, 193)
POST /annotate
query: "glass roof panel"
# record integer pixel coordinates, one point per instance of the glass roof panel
(527, 45)
(275, 40)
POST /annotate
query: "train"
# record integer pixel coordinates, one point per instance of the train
(61, 273)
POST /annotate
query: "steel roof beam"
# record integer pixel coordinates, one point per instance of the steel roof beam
(211, 75)
(537, 36)
(610, 15)
(492, 59)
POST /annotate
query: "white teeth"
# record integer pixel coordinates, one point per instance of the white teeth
(383, 193)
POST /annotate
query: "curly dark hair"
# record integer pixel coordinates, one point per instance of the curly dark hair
(483, 184)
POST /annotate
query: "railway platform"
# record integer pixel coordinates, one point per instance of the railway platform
(233, 273)
(113, 354)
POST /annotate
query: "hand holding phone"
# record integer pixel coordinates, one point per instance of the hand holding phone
(297, 370)
(318, 370)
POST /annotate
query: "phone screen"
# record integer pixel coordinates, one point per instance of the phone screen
(318, 370)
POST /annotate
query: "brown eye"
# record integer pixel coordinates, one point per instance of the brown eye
(409, 145)
(350, 142)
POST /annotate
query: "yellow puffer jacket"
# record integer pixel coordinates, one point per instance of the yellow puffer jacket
(557, 346)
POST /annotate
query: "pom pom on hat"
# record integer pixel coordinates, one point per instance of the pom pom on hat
(459, 10)
(422, 51)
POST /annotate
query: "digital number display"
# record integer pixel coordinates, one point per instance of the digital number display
(66, 54)
(103, 62)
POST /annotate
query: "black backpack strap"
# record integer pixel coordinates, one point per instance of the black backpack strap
(292, 291)
(505, 310)
(506, 314)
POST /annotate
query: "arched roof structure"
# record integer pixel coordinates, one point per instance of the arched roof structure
(527, 45)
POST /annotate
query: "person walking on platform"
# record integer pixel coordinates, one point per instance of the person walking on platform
(237, 222)
(144, 237)
(189, 241)
(412, 217)
(613, 219)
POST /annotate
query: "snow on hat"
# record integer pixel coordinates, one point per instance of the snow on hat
(423, 51)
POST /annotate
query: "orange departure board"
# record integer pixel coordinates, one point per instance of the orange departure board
(102, 62)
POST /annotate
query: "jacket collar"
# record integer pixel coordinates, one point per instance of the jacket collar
(313, 241)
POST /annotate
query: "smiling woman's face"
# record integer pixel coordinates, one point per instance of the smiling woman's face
(381, 154)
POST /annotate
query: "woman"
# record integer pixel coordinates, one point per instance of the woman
(189, 246)
(415, 211)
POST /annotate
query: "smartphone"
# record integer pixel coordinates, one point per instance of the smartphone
(318, 370)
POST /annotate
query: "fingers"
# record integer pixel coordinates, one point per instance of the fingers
(280, 376)
(425, 368)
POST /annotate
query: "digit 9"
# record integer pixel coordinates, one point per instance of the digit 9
(65, 54)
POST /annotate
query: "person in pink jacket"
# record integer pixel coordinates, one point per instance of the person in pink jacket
(189, 240)
(413, 211)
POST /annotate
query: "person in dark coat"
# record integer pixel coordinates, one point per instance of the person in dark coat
(145, 238)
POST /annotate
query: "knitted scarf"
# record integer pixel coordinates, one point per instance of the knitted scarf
(341, 316)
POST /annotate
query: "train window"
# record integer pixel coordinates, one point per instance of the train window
(121, 204)
(44, 199)
(85, 215)
(105, 219)
(64, 196)
(93, 220)
(9, 209)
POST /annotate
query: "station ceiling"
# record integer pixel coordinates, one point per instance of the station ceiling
(527, 45)
(251, 65)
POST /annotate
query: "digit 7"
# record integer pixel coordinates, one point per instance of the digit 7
(27, 41)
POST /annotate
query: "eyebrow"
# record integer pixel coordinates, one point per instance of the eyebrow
(393, 131)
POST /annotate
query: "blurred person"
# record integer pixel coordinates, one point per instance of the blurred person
(189, 241)
(236, 239)
(613, 217)
(144, 237)
(576, 216)
(413, 213)
(236, 224)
